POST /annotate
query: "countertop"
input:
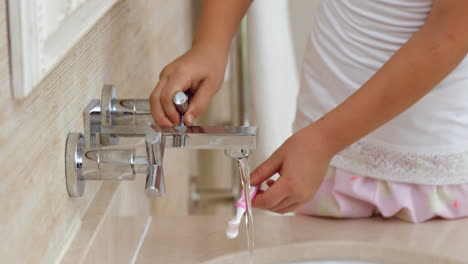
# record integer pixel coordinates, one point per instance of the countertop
(198, 239)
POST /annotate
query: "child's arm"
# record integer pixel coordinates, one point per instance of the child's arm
(202, 68)
(424, 61)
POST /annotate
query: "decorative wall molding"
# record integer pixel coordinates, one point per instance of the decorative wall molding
(43, 31)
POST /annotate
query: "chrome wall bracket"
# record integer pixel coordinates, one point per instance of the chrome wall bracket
(73, 164)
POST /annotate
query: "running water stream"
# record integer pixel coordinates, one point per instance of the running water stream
(244, 171)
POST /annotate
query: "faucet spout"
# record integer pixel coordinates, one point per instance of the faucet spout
(194, 137)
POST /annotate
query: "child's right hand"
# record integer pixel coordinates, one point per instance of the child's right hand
(201, 71)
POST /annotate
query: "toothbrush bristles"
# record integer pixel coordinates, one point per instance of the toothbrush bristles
(233, 229)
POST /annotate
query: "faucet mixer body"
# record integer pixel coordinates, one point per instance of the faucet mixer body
(99, 154)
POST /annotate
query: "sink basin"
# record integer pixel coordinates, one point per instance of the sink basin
(331, 262)
(339, 252)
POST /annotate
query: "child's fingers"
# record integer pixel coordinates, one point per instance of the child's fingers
(271, 166)
(271, 197)
(200, 101)
(289, 209)
(285, 203)
(156, 108)
(260, 191)
(170, 88)
(265, 201)
(270, 182)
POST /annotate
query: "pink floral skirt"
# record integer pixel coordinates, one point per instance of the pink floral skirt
(344, 194)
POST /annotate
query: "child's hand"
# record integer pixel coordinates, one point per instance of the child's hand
(200, 71)
(302, 162)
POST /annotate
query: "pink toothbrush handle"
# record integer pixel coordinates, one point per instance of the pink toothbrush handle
(241, 202)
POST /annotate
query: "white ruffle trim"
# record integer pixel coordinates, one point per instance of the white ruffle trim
(377, 161)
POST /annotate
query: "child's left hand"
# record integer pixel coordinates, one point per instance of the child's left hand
(302, 162)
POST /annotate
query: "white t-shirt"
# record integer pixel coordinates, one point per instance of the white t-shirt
(350, 41)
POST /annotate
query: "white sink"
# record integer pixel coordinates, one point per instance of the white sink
(331, 262)
(331, 253)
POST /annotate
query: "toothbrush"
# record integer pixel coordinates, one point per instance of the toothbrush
(233, 225)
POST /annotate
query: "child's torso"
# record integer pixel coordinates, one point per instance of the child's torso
(350, 41)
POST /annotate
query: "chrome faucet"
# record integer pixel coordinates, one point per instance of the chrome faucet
(109, 147)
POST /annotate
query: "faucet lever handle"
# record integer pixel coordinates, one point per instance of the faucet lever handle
(155, 144)
(181, 102)
(154, 186)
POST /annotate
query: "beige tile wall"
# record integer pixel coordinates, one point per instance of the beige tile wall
(4, 66)
(128, 47)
